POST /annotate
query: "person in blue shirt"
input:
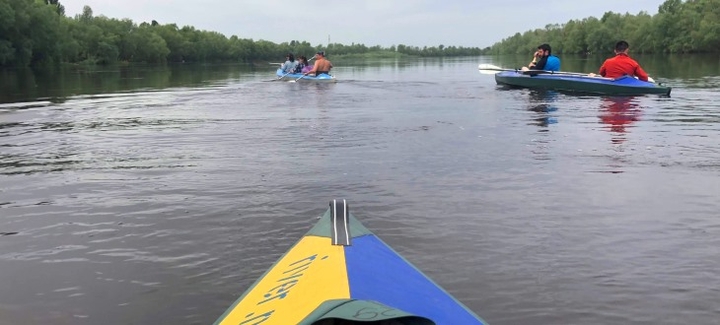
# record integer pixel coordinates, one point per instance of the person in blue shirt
(290, 64)
(544, 60)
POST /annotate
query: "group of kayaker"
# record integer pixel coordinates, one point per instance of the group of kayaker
(302, 65)
(543, 59)
(614, 67)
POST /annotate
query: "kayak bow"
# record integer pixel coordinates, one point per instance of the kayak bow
(340, 271)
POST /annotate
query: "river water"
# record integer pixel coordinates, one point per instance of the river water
(140, 195)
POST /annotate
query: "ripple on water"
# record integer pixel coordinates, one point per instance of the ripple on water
(559, 208)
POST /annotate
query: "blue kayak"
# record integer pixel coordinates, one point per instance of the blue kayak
(342, 273)
(579, 83)
(296, 77)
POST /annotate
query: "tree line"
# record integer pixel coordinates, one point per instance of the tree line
(36, 32)
(691, 26)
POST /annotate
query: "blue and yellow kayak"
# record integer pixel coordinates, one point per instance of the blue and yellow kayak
(296, 77)
(341, 273)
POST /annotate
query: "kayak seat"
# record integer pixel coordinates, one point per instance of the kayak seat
(361, 312)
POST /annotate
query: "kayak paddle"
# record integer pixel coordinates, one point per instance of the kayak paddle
(283, 76)
(296, 80)
(493, 69)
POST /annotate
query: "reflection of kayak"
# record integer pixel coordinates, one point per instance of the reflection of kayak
(296, 76)
(583, 84)
(341, 271)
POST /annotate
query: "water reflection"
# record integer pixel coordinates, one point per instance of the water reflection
(57, 85)
(542, 105)
(618, 114)
(542, 102)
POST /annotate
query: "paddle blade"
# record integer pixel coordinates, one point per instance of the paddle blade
(485, 66)
(490, 69)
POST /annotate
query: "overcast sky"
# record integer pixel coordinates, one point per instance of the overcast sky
(468, 23)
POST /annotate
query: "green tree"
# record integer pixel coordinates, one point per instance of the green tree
(59, 8)
(678, 27)
(37, 32)
(30, 31)
(150, 47)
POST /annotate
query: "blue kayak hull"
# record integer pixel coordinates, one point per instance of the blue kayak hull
(297, 77)
(580, 84)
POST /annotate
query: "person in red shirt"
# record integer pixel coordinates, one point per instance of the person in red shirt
(622, 64)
